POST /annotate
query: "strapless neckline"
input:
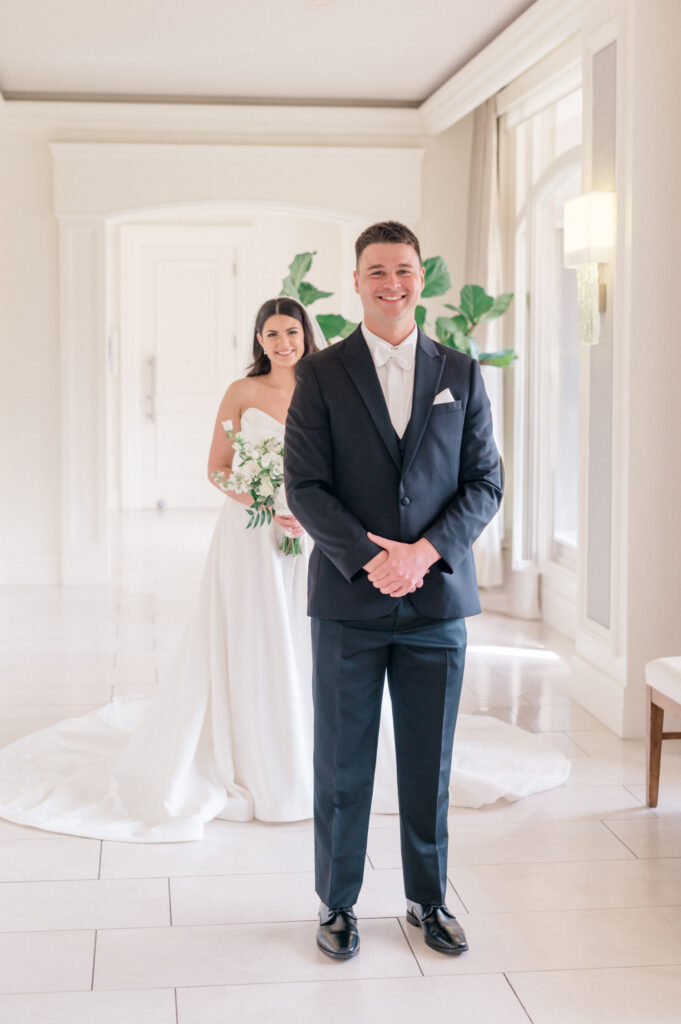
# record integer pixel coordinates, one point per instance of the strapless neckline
(254, 409)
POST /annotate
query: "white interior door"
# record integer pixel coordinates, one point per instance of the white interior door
(182, 318)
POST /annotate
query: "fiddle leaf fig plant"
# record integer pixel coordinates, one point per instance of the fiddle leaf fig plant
(296, 287)
(475, 307)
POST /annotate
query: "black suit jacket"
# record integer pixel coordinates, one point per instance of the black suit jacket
(345, 475)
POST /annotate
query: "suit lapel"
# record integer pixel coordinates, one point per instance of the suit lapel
(359, 365)
(427, 373)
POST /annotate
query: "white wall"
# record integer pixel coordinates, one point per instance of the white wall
(29, 377)
(442, 231)
(654, 400)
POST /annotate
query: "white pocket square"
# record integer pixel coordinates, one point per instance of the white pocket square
(444, 396)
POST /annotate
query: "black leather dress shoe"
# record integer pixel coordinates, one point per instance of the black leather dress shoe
(441, 930)
(338, 936)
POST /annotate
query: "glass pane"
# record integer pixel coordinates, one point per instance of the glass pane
(569, 122)
(557, 296)
(567, 407)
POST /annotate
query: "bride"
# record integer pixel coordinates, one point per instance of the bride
(229, 734)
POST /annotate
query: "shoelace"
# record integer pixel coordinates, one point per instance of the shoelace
(342, 910)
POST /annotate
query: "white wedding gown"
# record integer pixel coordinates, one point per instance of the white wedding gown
(229, 734)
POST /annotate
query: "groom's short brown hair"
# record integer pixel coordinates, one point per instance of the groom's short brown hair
(387, 231)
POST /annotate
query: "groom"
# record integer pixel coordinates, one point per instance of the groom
(392, 469)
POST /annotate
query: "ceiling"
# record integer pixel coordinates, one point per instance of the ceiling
(392, 52)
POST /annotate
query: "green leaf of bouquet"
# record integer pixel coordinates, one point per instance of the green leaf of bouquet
(335, 326)
(499, 306)
(504, 357)
(420, 316)
(309, 294)
(437, 278)
(475, 302)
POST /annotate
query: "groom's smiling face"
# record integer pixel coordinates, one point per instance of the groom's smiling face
(389, 281)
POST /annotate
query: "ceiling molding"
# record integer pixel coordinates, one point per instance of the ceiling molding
(103, 179)
(542, 28)
(212, 121)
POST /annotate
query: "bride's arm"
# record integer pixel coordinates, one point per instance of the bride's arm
(221, 452)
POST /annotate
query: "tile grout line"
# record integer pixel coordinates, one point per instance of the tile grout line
(620, 840)
(411, 949)
(325, 981)
(456, 893)
(510, 985)
(94, 960)
(177, 1012)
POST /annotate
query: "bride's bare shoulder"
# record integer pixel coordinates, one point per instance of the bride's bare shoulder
(241, 395)
(240, 391)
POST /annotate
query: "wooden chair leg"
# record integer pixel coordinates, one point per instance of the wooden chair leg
(653, 749)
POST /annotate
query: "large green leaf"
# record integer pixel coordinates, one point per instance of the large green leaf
(309, 294)
(349, 327)
(437, 279)
(475, 302)
(420, 316)
(504, 357)
(335, 326)
(297, 270)
(461, 343)
(288, 288)
(499, 306)
(472, 348)
(443, 332)
(453, 324)
(300, 265)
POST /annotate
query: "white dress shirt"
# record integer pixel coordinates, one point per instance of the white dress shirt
(395, 368)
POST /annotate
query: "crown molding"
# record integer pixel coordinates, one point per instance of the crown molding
(205, 122)
(542, 28)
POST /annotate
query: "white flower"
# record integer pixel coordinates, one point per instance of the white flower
(267, 459)
(266, 488)
(228, 425)
(248, 471)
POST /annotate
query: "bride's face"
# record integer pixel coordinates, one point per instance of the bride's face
(283, 340)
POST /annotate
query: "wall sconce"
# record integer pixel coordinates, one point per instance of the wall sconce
(589, 239)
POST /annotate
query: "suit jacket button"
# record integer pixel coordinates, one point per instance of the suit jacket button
(405, 500)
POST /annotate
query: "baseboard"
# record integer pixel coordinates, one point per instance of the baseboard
(607, 700)
(559, 611)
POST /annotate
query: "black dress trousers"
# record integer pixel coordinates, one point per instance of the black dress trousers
(423, 659)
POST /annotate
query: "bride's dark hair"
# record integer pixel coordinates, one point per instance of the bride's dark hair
(281, 306)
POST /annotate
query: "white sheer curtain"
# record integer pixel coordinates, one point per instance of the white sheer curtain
(483, 267)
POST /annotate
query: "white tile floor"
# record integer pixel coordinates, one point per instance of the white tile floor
(571, 899)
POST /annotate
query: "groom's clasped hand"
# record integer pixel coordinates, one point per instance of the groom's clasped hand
(399, 569)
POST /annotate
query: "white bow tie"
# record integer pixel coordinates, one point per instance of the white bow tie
(402, 355)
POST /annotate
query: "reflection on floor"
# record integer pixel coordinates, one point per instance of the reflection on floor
(571, 899)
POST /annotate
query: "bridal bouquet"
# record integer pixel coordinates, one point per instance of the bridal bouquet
(260, 473)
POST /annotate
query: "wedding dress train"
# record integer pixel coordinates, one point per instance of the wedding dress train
(229, 733)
